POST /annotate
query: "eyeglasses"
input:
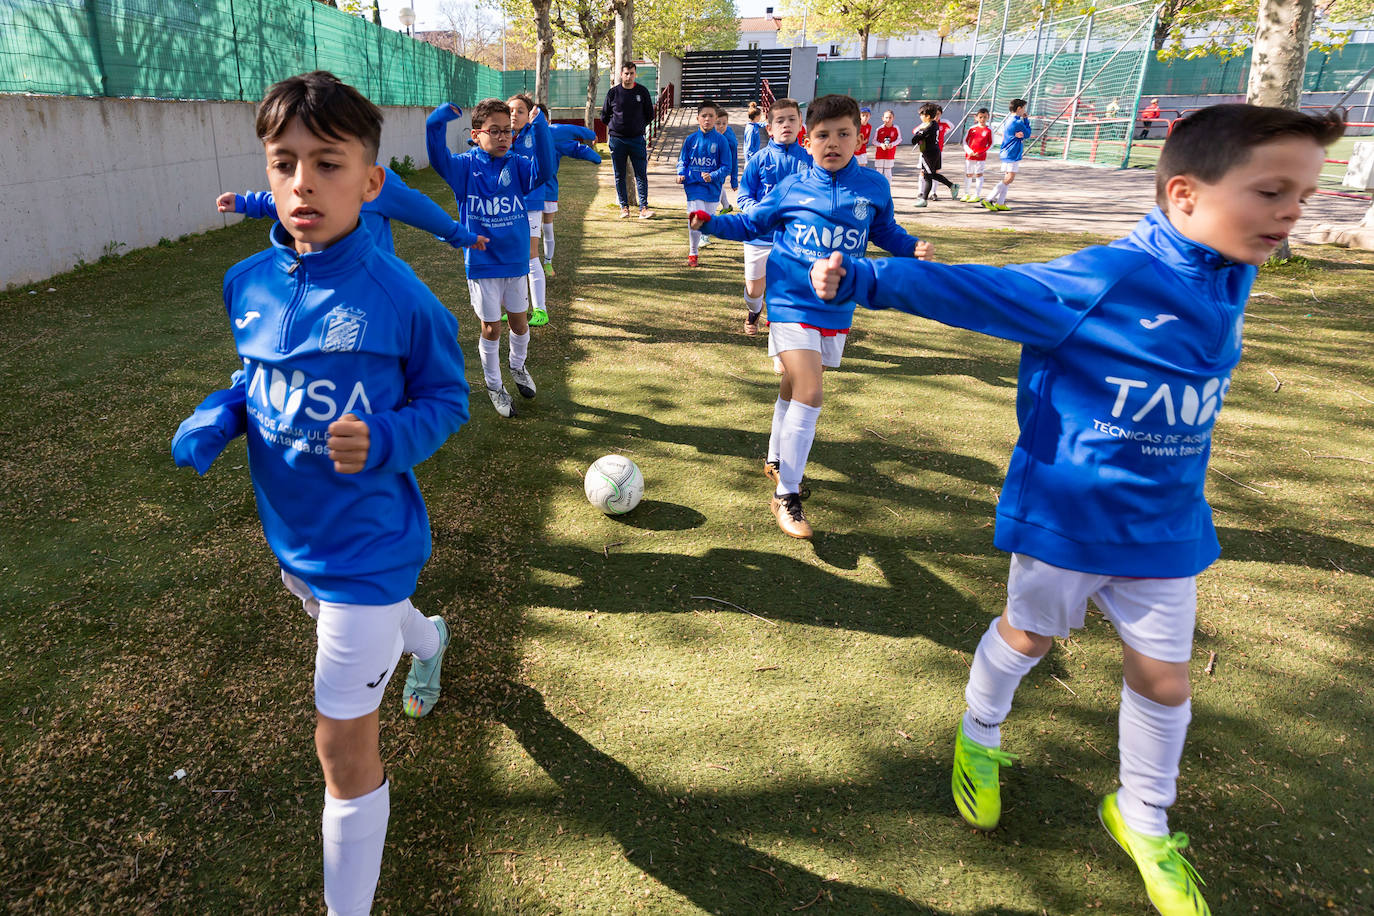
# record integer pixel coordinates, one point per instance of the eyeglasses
(497, 133)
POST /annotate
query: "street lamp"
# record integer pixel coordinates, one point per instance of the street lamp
(407, 17)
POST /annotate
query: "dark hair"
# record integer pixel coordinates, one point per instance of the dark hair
(828, 107)
(707, 103)
(783, 103)
(629, 65)
(721, 112)
(523, 97)
(327, 107)
(983, 111)
(1209, 143)
(483, 110)
(544, 108)
(1016, 103)
(930, 109)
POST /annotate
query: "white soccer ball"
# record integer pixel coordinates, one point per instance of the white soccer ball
(614, 484)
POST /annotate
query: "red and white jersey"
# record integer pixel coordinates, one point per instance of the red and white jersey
(865, 131)
(977, 142)
(945, 127)
(888, 139)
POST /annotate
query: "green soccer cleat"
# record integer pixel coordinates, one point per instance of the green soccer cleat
(539, 318)
(954, 192)
(422, 683)
(1001, 208)
(548, 269)
(987, 204)
(977, 794)
(1170, 880)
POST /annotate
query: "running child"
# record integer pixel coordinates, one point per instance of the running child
(865, 134)
(702, 165)
(376, 386)
(522, 144)
(926, 137)
(753, 132)
(977, 142)
(490, 187)
(1015, 130)
(570, 141)
(834, 205)
(783, 156)
(725, 130)
(1127, 354)
(887, 138)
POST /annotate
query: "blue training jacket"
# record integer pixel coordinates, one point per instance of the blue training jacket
(1013, 147)
(491, 193)
(349, 329)
(704, 152)
(753, 140)
(566, 145)
(809, 215)
(1127, 352)
(397, 201)
(732, 139)
(765, 170)
(522, 144)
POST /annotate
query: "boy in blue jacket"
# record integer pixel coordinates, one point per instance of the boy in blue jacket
(1016, 130)
(1127, 353)
(835, 205)
(702, 164)
(490, 187)
(570, 141)
(522, 110)
(351, 376)
(783, 156)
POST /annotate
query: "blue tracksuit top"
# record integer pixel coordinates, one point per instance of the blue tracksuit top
(732, 139)
(566, 146)
(809, 215)
(1013, 147)
(1127, 352)
(765, 170)
(753, 139)
(491, 194)
(522, 144)
(708, 152)
(349, 329)
(397, 201)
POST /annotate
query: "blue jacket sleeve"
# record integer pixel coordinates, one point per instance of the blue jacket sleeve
(733, 143)
(756, 223)
(545, 160)
(684, 155)
(584, 152)
(436, 147)
(1007, 302)
(217, 421)
(436, 390)
(750, 184)
(256, 204)
(890, 236)
(399, 201)
(726, 162)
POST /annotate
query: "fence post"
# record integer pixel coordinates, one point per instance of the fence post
(1078, 88)
(93, 24)
(1145, 58)
(1001, 46)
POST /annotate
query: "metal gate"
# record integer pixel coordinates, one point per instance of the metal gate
(734, 77)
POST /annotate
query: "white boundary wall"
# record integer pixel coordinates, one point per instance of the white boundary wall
(78, 176)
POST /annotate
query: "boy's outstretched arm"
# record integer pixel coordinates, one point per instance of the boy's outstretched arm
(545, 159)
(252, 204)
(216, 421)
(436, 145)
(401, 202)
(758, 222)
(892, 237)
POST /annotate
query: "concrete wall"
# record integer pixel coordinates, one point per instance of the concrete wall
(802, 85)
(670, 71)
(80, 177)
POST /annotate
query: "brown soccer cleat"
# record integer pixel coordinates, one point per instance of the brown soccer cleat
(787, 509)
(772, 470)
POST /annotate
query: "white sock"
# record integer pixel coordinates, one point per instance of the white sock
(723, 199)
(999, 193)
(548, 242)
(794, 445)
(537, 281)
(753, 303)
(519, 349)
(979, 180)
(354, 833)
(1151, 745)
(993, 677)
(490, 353)
(420, 635)
(693, 240)
(775, 436)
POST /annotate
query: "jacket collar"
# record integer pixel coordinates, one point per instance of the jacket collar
(344, 255)
(1158, 237)
(848, 171)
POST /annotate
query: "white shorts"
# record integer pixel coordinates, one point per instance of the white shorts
(357, 647)
(694, 205)
(492, 294)
(756, 261)
(536, 219)
(975, 166)
(1011, 165)
(885, 165)
(789, 335)
(861, 158)
(550, 206)
(1155, 617)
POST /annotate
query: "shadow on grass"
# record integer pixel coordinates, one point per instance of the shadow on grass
(656, 515)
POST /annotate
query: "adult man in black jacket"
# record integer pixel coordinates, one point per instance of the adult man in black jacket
(628, 109)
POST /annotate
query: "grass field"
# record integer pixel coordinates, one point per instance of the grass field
(1145, 154)
(679, 711)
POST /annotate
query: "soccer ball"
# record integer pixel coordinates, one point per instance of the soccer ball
(614, 484)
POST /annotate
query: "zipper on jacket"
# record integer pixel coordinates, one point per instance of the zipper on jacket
(283, 333)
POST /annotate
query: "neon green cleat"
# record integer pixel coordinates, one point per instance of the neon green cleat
(548, 269)
(1001, 208)
(1170, 880)
(987, 204)
(977, 793)
(539, 318)
(422, 683)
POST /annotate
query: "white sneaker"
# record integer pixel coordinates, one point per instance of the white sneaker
(705, 241)
(500, 399)
(523, 383)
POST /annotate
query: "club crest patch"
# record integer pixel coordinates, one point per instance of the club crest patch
(861, 205)
(505, 177)
(343, 330)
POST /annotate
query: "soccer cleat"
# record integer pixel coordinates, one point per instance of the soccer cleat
(422, 683)
(539, 318)
(787, 509)
(1001, 208)
(548, 269)
(977, 791)
(953, 192)
(523, 382)
(751, 323)
(921, 202)
(987, 204)
(772, 470)
(705, 241)
(1170, 880)
(691, 260)
(500, 399)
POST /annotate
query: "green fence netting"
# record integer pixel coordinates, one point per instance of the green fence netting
(568, 88)
(892, 79)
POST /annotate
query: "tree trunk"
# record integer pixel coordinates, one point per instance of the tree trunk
(543, 58)
(863, 44)
(593, 77)
(1282, 36)
(624, 35)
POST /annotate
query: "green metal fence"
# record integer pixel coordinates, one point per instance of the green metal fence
(892, 79)
(568, 88)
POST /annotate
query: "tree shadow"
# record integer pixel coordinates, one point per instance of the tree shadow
(1295, 547)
